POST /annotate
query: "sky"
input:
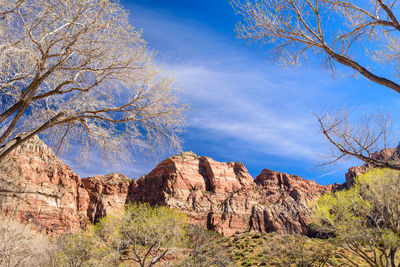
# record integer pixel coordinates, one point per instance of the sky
(244, 106)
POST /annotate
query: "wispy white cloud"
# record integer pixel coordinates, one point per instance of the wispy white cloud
(252, 107)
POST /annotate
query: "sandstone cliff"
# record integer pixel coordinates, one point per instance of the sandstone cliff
(105, 192)
(37, 187)
(40, 189)
(225, 198)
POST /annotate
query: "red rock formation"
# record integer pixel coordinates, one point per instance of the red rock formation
(387, 154)
(297, 187)
(225, 198)
(39, 188)
(105, 192)
(289, 195)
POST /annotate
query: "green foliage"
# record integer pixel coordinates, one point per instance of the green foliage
(84, 249)
(142, 233)
(300, 251)
(136, 234)
(366, 218)
(109, 244)
(147, 226)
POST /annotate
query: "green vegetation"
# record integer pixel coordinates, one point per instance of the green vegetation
(366, 218)
(83, 249)
(143, 234)
(363, 224)
(137, 235)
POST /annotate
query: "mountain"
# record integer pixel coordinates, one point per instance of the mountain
(225, 198)
(38, 188)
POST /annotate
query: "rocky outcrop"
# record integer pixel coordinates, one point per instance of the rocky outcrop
(105, 192)
(287, 197)
(385, 155)
(39, 188)
(225, 198)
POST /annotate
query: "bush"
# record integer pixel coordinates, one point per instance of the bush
(83, 249)
(143, 234)
(206, 250)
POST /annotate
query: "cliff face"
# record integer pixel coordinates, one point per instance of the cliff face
(40, 189)
(287, 197)
(37, 187)
(225, 198)
(105, 192)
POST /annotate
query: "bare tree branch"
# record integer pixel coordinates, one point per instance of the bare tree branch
(82, 59)
(360, 140)
(304, 24)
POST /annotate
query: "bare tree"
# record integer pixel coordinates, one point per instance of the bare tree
(76, 70)
(20, 246)
(341, 30)
(205, 249)
(82, 249)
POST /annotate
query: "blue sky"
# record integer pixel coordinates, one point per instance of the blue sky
(244, 106)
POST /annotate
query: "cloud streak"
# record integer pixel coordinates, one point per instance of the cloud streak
(249, 107)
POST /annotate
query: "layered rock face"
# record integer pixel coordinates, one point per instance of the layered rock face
(388, 154)
(287, 197)
(105, 192)
(40, 189)
(37, 187)
(224, 197)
